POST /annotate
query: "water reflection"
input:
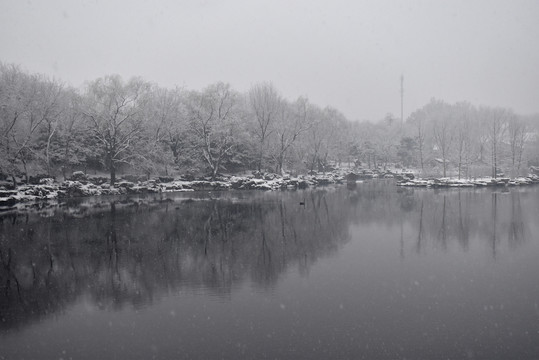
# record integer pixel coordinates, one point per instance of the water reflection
(135, 251)
(445, 218)
(120, 253)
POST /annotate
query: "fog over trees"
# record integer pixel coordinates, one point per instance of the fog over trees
(115, 125)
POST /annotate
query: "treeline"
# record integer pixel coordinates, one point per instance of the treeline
(113, 125)
(463, 140)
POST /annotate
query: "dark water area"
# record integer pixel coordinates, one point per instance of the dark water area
(371, 272)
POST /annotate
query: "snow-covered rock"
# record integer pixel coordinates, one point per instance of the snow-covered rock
(478, 182)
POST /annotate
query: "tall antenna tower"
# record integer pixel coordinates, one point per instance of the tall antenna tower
(402, 100)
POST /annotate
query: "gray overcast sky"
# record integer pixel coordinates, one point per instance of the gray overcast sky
(346, 54)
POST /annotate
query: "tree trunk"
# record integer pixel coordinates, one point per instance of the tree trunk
(26, 180)
(460, 164)
(112, 166)
(47, 152)
(279, 168)
(494, 159)
(261, 154)
(481, 152)
(421, 159)
(519, 162)
(443, 159)
(112, 173)
(259, 165)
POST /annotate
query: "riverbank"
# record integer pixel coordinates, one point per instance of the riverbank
(82, 186)
(477, 182)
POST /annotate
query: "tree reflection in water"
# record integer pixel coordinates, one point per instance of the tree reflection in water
(132, 252)
(136, 250)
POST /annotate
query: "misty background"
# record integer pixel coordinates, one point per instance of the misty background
(346, 54)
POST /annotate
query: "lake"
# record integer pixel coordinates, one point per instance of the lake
(367, 272)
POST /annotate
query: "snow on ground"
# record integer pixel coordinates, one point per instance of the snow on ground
(49, 190)
(485, 181)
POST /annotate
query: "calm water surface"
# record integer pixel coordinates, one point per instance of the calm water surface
(374, 272)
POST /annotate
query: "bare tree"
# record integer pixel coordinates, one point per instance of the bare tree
(495, 122)
(518, 137)
(442, 131)
(417, 119)
(315, 138)
(114, 109)
(165, 129)
(265, 103)
(387, 138)
(16, 96)
(464, 116)
(27, 102)
(52, 105)
(213, 116)
(70, 132)
(291, 121)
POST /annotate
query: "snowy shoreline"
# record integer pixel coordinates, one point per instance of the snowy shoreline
(49, 190)
(476, 182)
